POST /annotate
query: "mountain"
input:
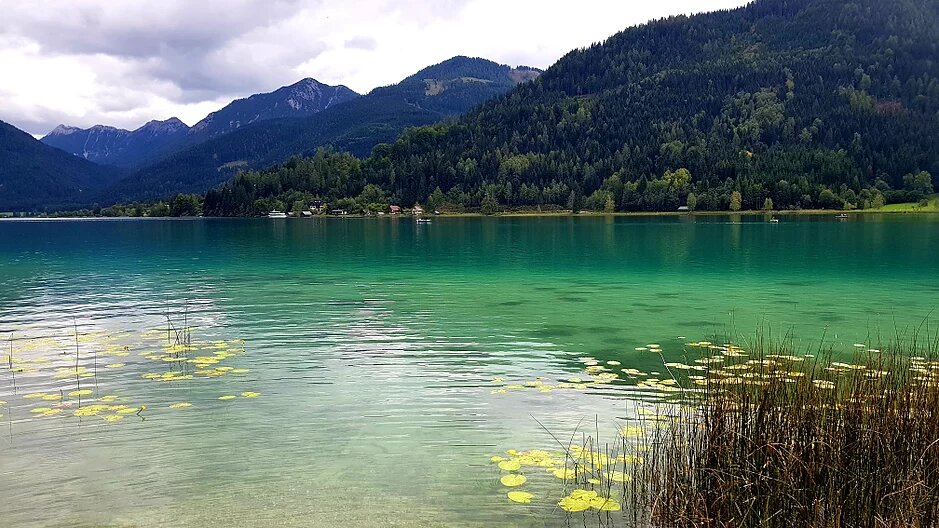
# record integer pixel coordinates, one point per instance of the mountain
(301, 99)
(778, 104)
(122, 148)
(37, 176)
(148, 144)
(432, 94)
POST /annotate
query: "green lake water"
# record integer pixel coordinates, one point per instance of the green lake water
(374, 344)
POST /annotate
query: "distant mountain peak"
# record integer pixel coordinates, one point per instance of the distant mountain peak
(300, 99)
(63, 130)
(167, 126)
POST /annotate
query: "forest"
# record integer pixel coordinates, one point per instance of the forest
(795, 104)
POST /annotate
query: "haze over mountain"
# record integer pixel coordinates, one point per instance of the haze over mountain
(108, 145)
(434, 93)
(34, 175)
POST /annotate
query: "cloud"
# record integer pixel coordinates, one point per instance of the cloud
(124, 63)
(362, 43)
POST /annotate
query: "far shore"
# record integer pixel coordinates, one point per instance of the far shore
(537, 214)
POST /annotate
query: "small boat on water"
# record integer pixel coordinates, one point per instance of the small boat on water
(423, 220)
(842, 216)
(277, 214)
(774, 220)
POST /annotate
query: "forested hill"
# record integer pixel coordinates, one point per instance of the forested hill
(810, 103)
(434, 93)
(34, 175)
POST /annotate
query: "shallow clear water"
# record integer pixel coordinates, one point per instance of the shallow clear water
(374, 343)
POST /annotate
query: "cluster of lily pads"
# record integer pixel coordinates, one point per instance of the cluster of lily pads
(83, 357)
(591, 479)
(594, 374)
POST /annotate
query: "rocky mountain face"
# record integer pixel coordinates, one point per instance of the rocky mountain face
(106, 145)
(300, 99)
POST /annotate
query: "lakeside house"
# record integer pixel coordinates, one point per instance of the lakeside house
(417, 210)
(684, 209)
(339, 212)
(395, 209)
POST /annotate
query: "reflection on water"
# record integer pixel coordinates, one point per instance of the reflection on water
(384, 362)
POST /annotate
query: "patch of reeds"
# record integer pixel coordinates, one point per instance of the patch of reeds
(763, 437)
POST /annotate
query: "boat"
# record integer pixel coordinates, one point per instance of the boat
(842, 216)
(774, 220)
(423, 220)
(277, 214)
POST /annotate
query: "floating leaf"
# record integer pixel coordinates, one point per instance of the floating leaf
(113, 418)
(115, 365)
(604, 504)
(570, 504)
(582, 494)
(182, 405)
(82, 392)
(563, 473)
(509, 465)
(520, 497)
(40, 410)
(227, 397)
(250, 394)
(513, 480)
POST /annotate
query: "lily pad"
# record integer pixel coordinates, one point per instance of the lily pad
(520, 497)
(513, 480)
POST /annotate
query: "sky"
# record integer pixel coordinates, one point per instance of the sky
(123, 63)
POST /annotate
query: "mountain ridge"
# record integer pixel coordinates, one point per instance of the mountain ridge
(109, 145)
(357, 126)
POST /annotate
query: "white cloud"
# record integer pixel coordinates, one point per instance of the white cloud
(124, 63)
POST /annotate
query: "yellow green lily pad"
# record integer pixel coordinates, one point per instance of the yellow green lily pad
(513, 480)
(572, 505)
(520, 497)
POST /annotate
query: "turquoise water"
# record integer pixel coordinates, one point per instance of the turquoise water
(373, 345)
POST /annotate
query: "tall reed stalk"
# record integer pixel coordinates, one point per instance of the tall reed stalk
(772, 439)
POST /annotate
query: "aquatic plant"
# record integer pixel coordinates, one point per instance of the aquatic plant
(759, 434)
(64, 357)
(773, 438)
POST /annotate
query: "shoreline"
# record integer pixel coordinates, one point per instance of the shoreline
(521, 214)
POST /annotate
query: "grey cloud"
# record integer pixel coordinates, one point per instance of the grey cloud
(185, 43)
(140, 28)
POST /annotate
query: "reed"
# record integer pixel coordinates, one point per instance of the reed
(768, 438)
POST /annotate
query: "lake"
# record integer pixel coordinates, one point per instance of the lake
(369, 368)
